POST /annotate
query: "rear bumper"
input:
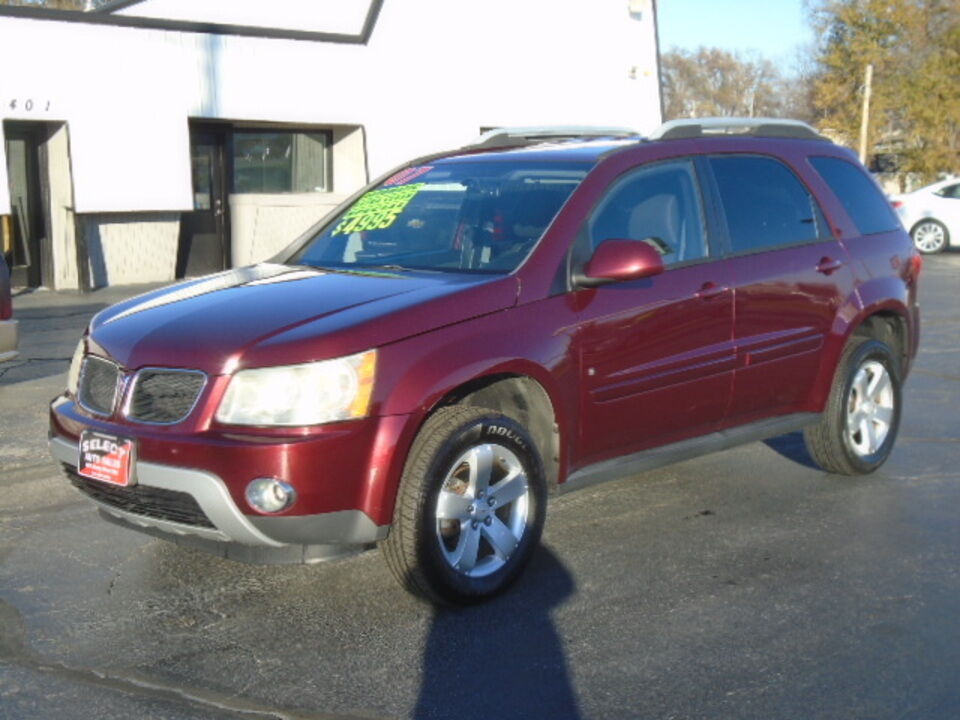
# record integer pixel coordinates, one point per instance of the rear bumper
(212, 521)
(9, 339)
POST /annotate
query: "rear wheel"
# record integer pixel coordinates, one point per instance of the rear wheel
(859, 425)
(470, 508)
(930, 236)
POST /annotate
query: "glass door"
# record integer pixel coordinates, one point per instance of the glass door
(26, 227)
(204, 232)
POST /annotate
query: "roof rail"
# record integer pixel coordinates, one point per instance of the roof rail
(753, 127)
(519, 136)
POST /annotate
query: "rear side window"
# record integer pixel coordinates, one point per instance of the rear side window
(860, 197)
(950, 191)
(766, 206)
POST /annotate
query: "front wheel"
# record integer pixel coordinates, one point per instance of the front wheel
(859, 425)
(470, 508)
(930, 236)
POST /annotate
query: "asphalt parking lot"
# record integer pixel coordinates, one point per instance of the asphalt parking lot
(744, 584)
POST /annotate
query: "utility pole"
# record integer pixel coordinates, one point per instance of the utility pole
(865, 114)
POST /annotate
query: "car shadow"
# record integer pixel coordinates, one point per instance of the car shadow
(503, 659)
(792, 447)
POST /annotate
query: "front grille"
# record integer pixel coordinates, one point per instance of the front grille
(164, 396)
(151, 502)
(99, 384)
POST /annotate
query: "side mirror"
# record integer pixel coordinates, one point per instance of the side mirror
(619, 261)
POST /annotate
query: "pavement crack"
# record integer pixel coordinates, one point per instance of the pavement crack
(29, 361)
(15, 650)
(11, 366)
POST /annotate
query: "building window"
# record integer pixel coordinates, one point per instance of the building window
(269, 161)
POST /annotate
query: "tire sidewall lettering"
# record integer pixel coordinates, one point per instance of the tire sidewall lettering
(498, 432)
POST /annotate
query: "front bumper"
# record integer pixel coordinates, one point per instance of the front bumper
(216, 524)
(9, 339)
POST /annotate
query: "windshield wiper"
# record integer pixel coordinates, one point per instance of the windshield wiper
(382, 267)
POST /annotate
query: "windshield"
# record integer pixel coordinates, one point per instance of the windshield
(459, 216)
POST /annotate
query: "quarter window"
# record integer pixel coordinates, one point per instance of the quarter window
(765, 204)
(950, 191)
(859, 195)
(658, 204)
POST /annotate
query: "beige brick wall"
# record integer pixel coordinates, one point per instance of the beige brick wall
(60, 187)
(131, 248)
(263, 225)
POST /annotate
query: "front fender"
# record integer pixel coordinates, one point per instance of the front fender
(415, 375)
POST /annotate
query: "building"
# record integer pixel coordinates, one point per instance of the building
(146, 140)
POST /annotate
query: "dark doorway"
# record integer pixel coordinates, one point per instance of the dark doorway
(28, 230)
(205, 232)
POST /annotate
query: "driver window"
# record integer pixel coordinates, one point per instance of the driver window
(659, 205)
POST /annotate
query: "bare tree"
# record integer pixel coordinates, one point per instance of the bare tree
(711, 81)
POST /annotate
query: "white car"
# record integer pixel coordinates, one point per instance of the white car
(932, 215)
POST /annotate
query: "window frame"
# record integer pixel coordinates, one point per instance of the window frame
(821, 224)
(942, 192)
(581, 249)
(897, 223)
(233, 129)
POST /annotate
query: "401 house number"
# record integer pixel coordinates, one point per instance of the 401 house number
(28, 105)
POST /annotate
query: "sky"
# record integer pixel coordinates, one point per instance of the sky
(774, 29)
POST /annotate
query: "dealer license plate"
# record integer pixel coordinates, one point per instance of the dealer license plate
(107, 458)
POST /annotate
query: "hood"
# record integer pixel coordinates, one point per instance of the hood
(278, 315)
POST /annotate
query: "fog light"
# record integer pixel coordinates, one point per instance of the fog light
(270, 495)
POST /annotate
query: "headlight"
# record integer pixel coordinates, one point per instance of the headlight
(73, 375)
(309, 394)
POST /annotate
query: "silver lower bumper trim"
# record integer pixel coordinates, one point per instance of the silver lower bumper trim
(207, 489)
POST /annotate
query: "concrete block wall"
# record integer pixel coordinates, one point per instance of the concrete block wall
(263, 225)
(131, 248)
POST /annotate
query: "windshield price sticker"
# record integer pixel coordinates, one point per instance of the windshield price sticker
(106, 458)
(408, 175)
(378, 209)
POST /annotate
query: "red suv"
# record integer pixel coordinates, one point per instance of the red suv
(9, 329)
(482, 327)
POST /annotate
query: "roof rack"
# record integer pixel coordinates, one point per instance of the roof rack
(519, 136)
(753, 127)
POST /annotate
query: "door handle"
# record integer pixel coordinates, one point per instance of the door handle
(710, 290)
(828, 265)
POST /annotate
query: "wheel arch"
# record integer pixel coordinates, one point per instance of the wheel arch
(521, 397)
(890, 327)
(888, 319)
(924, 219)
(947, 237)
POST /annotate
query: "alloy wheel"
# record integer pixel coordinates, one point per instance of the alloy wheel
(929, 237)
(482, 509)
(869, 408)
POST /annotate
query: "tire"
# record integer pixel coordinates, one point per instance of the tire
(859, 424)
(451, 541)
(930, 237)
